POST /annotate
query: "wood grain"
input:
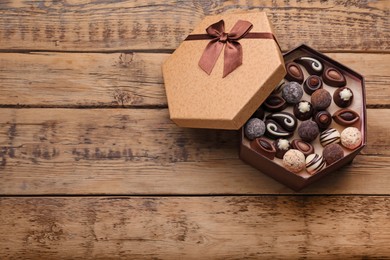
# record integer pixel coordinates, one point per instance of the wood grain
(140, 151)
(195, 227)
(129, 79)
(149, 25)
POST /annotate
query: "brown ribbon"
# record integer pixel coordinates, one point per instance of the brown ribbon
(233, 50)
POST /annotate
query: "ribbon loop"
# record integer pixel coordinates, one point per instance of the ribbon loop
(233, 49)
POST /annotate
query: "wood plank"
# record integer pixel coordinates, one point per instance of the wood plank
(276, 227)
(140, 151)
(112, 25)
(129, 79)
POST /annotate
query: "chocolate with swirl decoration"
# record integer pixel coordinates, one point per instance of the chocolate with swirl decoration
(329, 136)
(286, 120)
(274, 130)
(313, 66)
(314, 163)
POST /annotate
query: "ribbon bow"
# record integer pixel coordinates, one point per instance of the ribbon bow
(233, 49)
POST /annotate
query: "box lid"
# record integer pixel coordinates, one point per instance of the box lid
(201, 100)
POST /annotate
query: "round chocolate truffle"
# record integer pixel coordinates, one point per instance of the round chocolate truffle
(329, 136)
(292, 92)
(303, 110)
(332, 153)
(351, 138)
(311, 84)
(281, 147)
(308, 131)
(294, 160)
(343, 97)
(323, 119)
(321, 99)
(254, 128)
(314, 163)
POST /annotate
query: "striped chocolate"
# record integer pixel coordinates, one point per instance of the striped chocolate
(329, 136)
(314, 163)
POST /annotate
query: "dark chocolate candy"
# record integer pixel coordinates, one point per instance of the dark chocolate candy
(274, 130)
(294, 72)
(303, 110)
(312, 83)
(279, 87)
(334, 78)
(346, 117)
(264, 147)
(281, 147)
(323, 119)
(312, 65)
(332, 153)
(259, 113)
(286, 120)
(302, 146)
(274, 103)
(321, 99)
(343, 97)
(308, 131)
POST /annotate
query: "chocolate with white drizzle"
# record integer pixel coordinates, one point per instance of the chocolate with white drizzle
(313, 66)
(286, 120)
(314, 163)
(274, 130)
(329, 136)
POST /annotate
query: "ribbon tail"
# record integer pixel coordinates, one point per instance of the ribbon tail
(210, 55)
(232, 57)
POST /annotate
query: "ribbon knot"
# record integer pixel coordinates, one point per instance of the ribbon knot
(233, 49)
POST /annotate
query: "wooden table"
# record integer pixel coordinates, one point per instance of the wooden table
(92, 167)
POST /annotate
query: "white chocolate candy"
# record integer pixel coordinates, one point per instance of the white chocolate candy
(351, 138)
(283, 144)
(314, 163)
(304, 107)
(294, 160)
(329, 136)
(345, 94)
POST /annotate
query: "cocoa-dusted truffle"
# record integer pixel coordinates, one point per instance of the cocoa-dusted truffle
(351, 138)
(323, 119)
(334, 78)
(254, 128)
(345, 117)
(281, 147)
(314, 163)
(274, 103)
(343, 97)
(321, 99)
(294, 72)
(259, 113)
(303, 110)
(302, 146)
(332, 153)
(294, 160)
(264, 147)
(311, 84)
(292, 92)
(308, 131)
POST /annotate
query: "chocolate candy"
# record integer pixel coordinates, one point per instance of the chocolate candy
(274, 130)
(274, 103)
(294, 160)
(314, 163)
(321, 99)
(346, 117)
(329, 136)
(264, 147)
(351, 138)
(333, 78)
(332, 153)
(312, 83)
(302, 146)
(294, 72)
(308, 131)
(259, 113)
(254, 128)
(303, 110)
(292, 92)
(323, 119)
(343, 97)
(279, 87)
(281, 147)
(313, 66)
(286, 120)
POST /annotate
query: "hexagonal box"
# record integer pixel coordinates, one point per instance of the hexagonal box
(211, 99)
(313, 126)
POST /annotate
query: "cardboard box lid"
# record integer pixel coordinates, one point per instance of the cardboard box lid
(199, 100)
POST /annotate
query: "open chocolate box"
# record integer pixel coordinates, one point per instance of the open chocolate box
(283, 131)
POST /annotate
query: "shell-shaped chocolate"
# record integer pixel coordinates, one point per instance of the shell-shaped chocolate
(286, 120)
(274, 130)
(323, 119)
(312, 83)
(302, 146)
(312, 65)
(294, 72)
(314, 163)
(274, 103)
(264, 147)
(334, 78)
(346, 117)
(329, 136)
